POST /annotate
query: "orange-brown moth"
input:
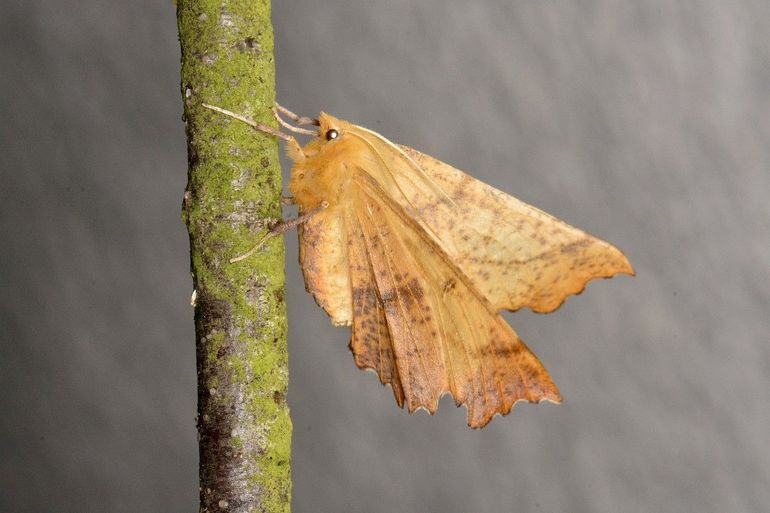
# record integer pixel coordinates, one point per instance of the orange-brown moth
(418, 257)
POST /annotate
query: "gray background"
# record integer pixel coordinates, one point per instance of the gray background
(645, 123)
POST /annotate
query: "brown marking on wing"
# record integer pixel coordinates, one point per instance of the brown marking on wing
(370, 339)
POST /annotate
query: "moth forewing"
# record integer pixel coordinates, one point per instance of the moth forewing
(516, 254)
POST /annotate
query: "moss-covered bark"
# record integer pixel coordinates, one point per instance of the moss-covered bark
(233, 193)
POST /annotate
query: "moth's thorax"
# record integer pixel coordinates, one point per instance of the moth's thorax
(327, 167)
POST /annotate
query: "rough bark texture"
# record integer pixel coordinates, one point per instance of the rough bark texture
(233, 193)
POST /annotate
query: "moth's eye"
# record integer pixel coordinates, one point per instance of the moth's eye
(332, 134)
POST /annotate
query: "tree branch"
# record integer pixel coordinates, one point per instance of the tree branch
(234, 194)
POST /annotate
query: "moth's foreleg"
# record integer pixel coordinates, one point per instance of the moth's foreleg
(253, 124)
(284, 225)
(293, 149)
(288, 200)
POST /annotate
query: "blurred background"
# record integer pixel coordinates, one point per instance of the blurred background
(644, 123)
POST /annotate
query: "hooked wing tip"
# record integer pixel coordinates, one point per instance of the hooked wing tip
(577, 288)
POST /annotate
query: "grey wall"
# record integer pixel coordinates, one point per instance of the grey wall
(646, 123)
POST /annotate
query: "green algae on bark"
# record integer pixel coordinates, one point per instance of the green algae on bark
(233, 193)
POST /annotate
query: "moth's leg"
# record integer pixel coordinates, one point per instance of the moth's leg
(257, 126)
(294, 150)
(287, 200)
(299, 120)
(286, 224)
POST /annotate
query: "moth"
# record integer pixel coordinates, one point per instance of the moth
(419, 257)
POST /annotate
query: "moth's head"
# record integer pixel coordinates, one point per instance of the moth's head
(331, 132)
(322, 165)
(330, 128)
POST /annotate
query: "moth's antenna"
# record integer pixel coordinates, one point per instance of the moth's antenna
(258, 126)
(300, 120)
